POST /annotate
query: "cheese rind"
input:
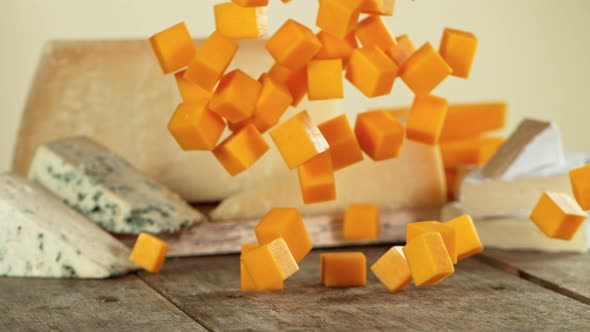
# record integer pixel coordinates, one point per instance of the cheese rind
(107, 189)
(42, 237)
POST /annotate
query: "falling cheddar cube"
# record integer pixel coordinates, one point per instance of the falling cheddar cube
(338, 17)
(458, 49)
(371, 71)
(149, 252)
(195, 127)
(211, 60)
(241, 150)
(293, 45)
(447, 232)
(246, 282)
(270, 264)
(424, 70)
(392, 270)
(426, 119)
(471, 151)
(379, 134)
(468, 242)
(294, 80)
(236, 96)
(580, 181)
(239, 22)
(174, 48)
(402, 50)
(285, 223)
(344, 147)
(428, 259)
(251, 3)
(272, 103)
(343, 269)
(324, 79)
(558, 215)
(470, 120)
(361, 222)
(190, 91)
(378, 7)
(336, 48)
(298, 140)
(316, 179)
(373, 32)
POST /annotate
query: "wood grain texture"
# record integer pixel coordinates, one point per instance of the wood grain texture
(119, 304)
(477, 298)
(565, 273)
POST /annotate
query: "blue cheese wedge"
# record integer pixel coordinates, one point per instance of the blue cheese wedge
(107, 189)
(42, 237)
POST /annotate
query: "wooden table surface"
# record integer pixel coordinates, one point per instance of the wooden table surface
(497, 290)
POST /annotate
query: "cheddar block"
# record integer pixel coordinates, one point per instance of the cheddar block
(426, 118)
(173, 47)
(458, 48)
(272, 103)
(447, 232)
(470, 120)
(343, 269)
(246, 282)
(344, 147)
(149, 252)
(392, 270)
(316, 179)
(475, 151)
(580, 182)
(237, 22)
(211, 60)
(236, 96)
(298, 140)
(534, 144)
(270, 264)
(251, 3)
(285, 223)
(379, 135)
(467, 240)
(373, 32)
(558, 215)
(324, 79)
(293, 45)
(241, 150)
(378, 7)
(424, 70)
(402, 50)
(361, 222)
(336, 48)
(195, 127)
(428, 259)
(338, 17)
(371, 71)
(190, 91)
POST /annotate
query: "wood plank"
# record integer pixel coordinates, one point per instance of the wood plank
(478, 297)
(566, 273)
(118, 304)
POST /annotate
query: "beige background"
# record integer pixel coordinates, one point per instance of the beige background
(533, 53)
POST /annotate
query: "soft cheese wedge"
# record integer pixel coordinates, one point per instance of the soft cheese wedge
(107, 189)
(42, 237)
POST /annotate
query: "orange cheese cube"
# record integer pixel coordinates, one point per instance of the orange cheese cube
(293, 45)
(246, 282)
(361, 222)
(241, 150)
(379, 134)
(371, 71)
(373, 32)
(448, 234)
(402, 50)
(428, 259)
(344, 148)
(468, 242)
(458, 48)
(195, 127)
(424, 70)
(236, 96)
(285, 223)
(238, 22)
(336, 48)
(580, 181)
(270, 264)
(451, 179)
(298, 140)
(272, 103)
(211, 61)
(469, 120)
(426, 119)
(474, 151)
(294, 80)
(558, 215)
(338, 17)
(190, 91)
(378, 7)
(149, 252)
(174, 48)
(343, 269)
(324, 79)
(251, 3)
(316, 179)
(392, 270)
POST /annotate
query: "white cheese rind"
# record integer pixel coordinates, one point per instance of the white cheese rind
(42, 237)
(107, 189)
